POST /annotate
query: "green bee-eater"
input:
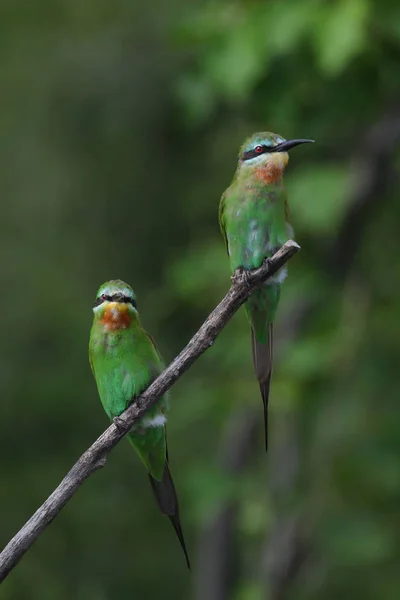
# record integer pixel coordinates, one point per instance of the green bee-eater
(124, 361)
(254, 220)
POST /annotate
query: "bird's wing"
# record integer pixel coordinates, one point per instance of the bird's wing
(159, 363)
(91, 364)
(221, 217)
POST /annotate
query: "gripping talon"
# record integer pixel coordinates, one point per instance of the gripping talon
(241, 276)
(120, 424)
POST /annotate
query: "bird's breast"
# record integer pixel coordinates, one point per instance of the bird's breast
(271, 171)
(116, 316)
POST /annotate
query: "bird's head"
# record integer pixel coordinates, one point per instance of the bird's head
(265, 155)
(115, 305)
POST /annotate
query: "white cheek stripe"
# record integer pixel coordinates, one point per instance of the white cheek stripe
(256, 160)
(96, 309)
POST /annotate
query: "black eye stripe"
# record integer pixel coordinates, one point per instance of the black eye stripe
(115, 298)
(252, 153)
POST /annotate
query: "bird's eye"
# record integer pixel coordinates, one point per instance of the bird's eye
(103, 297)
(258, 149)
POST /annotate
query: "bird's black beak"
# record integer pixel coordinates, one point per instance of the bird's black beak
(285, 146)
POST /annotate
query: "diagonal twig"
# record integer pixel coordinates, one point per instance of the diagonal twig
(243, 283)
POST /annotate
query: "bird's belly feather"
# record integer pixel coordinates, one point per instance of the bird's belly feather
(253, 235)
(118, 386)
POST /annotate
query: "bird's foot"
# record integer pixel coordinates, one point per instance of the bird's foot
(120, 424)
(267, 261)
(242, 277)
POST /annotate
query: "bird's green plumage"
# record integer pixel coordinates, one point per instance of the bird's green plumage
(253, 221)
(124, 361)
(253, 217)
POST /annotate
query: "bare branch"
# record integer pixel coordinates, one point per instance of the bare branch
(243, 283)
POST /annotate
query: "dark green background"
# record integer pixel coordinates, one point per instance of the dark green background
(119, 128)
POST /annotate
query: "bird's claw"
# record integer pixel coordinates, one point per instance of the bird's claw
(267, 261)
(120, 424)
(241, 276)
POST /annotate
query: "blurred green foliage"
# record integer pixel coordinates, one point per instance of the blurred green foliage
(119, 128)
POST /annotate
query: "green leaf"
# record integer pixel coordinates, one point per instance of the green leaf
(356, 540)
(341, 33)
(318, 198)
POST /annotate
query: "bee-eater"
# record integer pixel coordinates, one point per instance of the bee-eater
(124, 361)
(254, 220)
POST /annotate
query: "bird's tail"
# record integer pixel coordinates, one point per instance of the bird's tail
(167, 500)
(263, 362)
